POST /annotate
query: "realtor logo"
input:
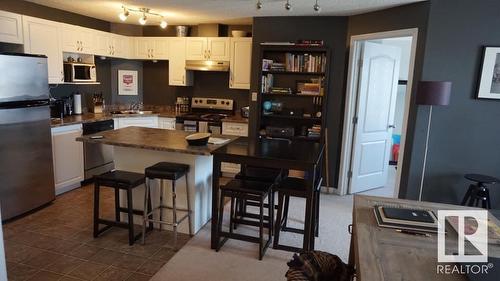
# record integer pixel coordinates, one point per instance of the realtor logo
(472, 229)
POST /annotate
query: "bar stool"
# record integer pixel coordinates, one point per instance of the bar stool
(293, 187)
(261, 174)
(478, 192)
(119, 180)
(167, 171)
(246, 190)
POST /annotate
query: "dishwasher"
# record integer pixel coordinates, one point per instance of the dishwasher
(98, 158)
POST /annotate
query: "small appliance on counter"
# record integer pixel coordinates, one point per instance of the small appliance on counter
(245, 112)
(182, 105)
(61, 107)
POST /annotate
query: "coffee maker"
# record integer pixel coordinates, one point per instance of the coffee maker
(61, 107)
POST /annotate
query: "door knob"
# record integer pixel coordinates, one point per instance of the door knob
(392, 126)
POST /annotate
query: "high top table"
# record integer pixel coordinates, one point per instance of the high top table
(270, 153)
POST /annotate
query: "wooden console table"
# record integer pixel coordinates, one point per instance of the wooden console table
(380, 254)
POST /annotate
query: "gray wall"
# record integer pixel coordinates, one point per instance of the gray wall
(118, 64)
(465, 136)
(333, 30)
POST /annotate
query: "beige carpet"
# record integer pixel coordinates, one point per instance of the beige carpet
(238, 260)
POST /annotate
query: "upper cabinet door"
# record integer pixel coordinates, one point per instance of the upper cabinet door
(143, 48)
(120, 46)
(177, 74)
(240, 65)
(11, 28)
(42, 37)
(77, 39)
(160, 48)
(218, 48)
(196, 48)
(101, 43)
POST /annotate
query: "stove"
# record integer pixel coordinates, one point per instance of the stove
(206, 115)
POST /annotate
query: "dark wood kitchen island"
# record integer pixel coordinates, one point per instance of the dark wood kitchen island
(136, 148)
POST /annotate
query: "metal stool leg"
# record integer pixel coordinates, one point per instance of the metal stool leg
(161, 203)
(488, 202)
(117, 204)
(467, 195)
(188, 198)
(174, 214)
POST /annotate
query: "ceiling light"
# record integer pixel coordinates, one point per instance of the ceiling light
(163, 24)
(288, 6)
(143, 19)
(259, 5)
(316, 7)
(123, 15)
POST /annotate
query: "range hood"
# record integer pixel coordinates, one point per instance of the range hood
(207, 65)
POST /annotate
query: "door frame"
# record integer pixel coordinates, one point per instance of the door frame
(351, 103)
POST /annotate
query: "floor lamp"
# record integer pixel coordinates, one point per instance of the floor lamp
(431, 93)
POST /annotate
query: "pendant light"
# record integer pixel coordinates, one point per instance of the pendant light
(143, 19)
(288, 6)
(317, 7)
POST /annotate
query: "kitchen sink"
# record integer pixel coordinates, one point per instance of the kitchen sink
(132, 112)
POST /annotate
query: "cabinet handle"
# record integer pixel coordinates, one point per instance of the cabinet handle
(209, 53)
(113, 50)
(183, 80)
(62, 76)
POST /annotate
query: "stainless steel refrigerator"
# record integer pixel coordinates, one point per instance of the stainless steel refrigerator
(26, 169)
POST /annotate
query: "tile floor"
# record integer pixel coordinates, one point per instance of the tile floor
(56, 243)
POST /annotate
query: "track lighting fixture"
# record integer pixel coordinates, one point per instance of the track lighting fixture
(145, 16)
(123, 15)
(316, 7)
(163, 23)
(288, 6)
(143, 19)
(259, 5)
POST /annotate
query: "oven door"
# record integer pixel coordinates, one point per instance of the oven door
(98, 159)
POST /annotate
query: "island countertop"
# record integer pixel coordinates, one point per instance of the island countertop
(153, 139)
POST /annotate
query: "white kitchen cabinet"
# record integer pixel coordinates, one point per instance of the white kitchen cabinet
(166, 123)
(11, 28)
(111, 45)
(240, 64)
(42, 37)
(177, 73)
(233, 129)
(77, 39)
(151, 48)
(208, 48)
(67, 155)
(148, 122)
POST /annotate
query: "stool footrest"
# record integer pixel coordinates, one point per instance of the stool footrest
(249, 222)
(167, 222)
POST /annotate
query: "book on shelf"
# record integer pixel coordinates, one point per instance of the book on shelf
(277, 44)
(310, 43)
(266, 64)
(280, 90)
(305, 62)
(267, 83)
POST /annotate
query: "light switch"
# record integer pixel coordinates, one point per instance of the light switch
(254, 96)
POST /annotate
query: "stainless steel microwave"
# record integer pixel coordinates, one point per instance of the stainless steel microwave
(79, 72)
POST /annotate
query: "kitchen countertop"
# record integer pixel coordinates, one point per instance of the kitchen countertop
(153, 139)
(94, 117)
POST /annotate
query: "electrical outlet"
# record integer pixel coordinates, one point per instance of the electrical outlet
(254, 96)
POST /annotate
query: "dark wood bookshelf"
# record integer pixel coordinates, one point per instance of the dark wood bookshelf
(293, 72)
(309, 104)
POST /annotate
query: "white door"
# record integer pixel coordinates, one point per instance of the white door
(377, 88)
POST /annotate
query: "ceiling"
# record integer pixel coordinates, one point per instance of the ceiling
(218, 11)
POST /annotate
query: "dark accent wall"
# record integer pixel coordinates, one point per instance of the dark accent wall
(402, 17)
(333, 30)
(122, 64)
(44, 12)
(465, 135)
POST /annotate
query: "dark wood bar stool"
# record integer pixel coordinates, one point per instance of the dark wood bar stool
(172, 172)
(119, 180)
(478, 192)
(293, 187)
(246, 190)
(261, 174)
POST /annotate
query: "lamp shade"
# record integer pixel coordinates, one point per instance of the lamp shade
(434, 92)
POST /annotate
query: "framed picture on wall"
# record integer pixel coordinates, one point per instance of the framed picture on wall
(127, 83)
(489, 81)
